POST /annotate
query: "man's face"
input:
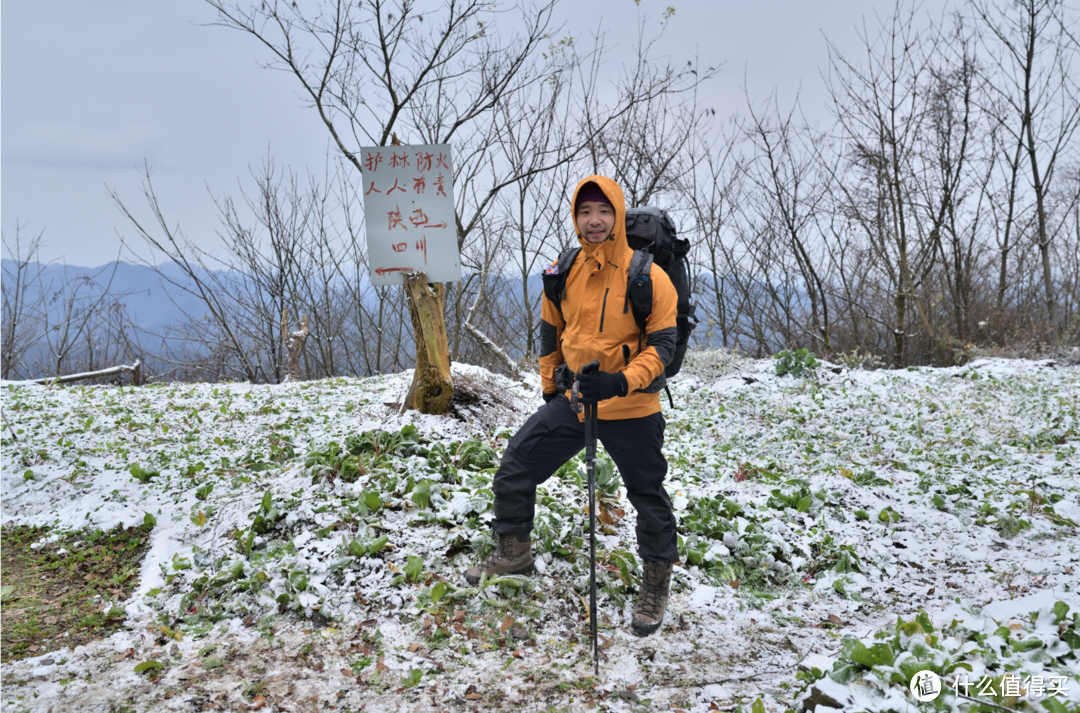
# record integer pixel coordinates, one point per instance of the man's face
(595, 220)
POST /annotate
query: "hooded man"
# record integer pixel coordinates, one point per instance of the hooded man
(595, 322)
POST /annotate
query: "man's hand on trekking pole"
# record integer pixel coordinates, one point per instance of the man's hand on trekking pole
(597, 386)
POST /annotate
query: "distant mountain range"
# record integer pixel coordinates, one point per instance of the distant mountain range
(148, 302)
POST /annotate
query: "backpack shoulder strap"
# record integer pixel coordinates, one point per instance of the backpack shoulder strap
(639, 287)
(555, 277)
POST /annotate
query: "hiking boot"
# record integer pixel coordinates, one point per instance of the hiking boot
(649, 612)
(512, 555)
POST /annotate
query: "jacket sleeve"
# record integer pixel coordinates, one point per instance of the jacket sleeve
(660, 334)
(551, 331)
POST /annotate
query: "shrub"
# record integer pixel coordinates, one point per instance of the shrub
(798, 363)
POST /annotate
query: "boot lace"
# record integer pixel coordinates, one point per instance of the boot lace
(501, 552)
(654, 586)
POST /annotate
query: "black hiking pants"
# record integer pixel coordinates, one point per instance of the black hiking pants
(552, 436)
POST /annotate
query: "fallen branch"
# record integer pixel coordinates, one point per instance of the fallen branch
(135, 369)
(494, 350)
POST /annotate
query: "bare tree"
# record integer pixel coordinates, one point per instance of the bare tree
(20, 328)
(787, 196)
(881, 116)
(1033, 46)
(713, 189)
(201, 278)
(72, 313)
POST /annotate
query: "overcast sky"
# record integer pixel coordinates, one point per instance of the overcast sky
(92, 90)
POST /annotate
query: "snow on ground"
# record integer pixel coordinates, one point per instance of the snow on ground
(839, 534)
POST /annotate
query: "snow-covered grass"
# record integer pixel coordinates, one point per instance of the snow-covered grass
(838, 534)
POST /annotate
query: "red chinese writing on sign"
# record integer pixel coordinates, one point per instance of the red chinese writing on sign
(419, 186)
(420, 246)
(419, 219)
(423, 177)
(395, 219)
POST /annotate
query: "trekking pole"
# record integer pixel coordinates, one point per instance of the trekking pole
(591, 424)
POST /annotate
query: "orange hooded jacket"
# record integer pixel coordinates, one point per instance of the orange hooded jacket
(599, 322)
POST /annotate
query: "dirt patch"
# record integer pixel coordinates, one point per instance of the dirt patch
(54, 594)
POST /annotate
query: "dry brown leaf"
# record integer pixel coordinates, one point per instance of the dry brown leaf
(380, 666)
(833, 619)
(414, 647)
(507, 622)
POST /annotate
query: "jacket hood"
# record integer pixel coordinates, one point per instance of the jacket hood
(614, 194)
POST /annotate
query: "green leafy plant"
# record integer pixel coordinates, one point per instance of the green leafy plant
(356, 548)
(799, 363)
(150, 668)
(141, 474)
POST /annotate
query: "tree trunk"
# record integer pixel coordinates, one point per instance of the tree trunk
(432, 387)
(294, 346)
(900, 304)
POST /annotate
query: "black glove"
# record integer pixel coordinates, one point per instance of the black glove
(596, 386)
(548, 398)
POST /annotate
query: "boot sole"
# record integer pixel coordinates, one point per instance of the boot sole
(642, 629)
(473, 581)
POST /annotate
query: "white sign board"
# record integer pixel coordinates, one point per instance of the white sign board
(409, 213)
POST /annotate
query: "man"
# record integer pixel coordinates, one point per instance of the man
(598, 325)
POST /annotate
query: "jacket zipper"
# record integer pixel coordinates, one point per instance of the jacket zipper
(603, 309)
